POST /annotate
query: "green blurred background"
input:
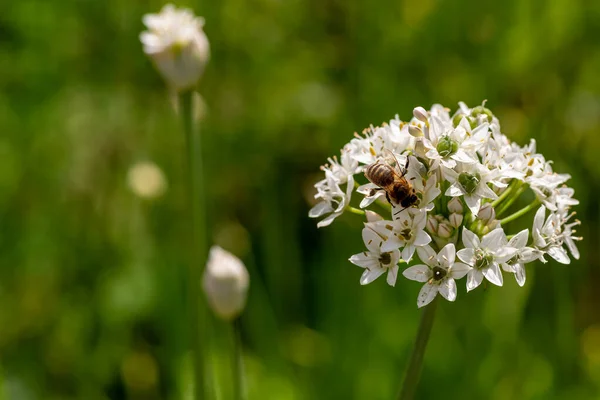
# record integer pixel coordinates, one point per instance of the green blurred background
(92, 290)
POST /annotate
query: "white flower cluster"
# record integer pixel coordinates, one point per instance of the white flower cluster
(448, 183)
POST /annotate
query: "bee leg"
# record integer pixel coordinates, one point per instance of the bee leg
(387, 196)
(405, 170)
(398, 212)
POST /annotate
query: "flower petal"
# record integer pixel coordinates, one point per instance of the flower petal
(427, 255)
(427, 294)
(493, 274)
(321, 208)
(408, 252)
(470, 240)
(559, 254)
(392, 243)
(519, 240)
(422, 238)
(448, 289)
(459, 270)
(372, 240)
(520, 275)
(392, 275)
(447, 255)
(454, 190)
(419, 273)
(494, 240)
(484, 191)
(474, 279)
(473, 202)
(466, 255)
(370, 275)
(364, 260)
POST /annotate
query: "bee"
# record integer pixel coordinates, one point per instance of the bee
(393, 182)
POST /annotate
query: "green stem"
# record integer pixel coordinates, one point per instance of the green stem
(197, 239)
(521, 212)
(506, 205)
(353, 210)
(238, 362)
(515, 184)
(411, 379)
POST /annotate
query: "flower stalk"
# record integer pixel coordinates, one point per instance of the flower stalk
(197, 238)
(415, 365)
(238, 361)
(533, 205)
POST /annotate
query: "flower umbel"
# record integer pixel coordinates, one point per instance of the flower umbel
(465, 175)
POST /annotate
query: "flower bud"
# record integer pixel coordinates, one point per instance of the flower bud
(445, 231)
(225, 283)
(455, 220)
(415, 131)
(177, 45)
(372, 216)
(432, 224)
(486, 213)
(420, 113)
(455, 205)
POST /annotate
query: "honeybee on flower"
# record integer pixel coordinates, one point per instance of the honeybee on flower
(451, 197)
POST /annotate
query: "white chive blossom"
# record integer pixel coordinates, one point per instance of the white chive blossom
(376, 261)
(177, 45)
(438, 273)
(443, 198)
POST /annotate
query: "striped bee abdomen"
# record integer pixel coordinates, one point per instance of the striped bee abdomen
(380, 174)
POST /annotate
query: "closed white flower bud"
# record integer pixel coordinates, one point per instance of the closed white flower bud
(415, 131)
(455, 220)
(177, 46)
(225, 283)
(486, 213)
(455, 206)
(420, 113)
(432, 224)
(372, 216)
(445, 231)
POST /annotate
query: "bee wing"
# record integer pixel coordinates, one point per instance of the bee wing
(392, 160)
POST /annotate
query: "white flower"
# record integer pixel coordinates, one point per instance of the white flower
(225, 283)
(177, 45)
(407, 231)
(333, 200)
(484, 256)
(376, 261)
(372, 193)
(549, 236)
(523, 256)
(471, 181)
(439, 273)
(450, 145)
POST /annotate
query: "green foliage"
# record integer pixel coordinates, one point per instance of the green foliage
(92, 283)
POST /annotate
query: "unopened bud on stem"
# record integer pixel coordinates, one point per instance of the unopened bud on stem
(420, 113)
(225, 283)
